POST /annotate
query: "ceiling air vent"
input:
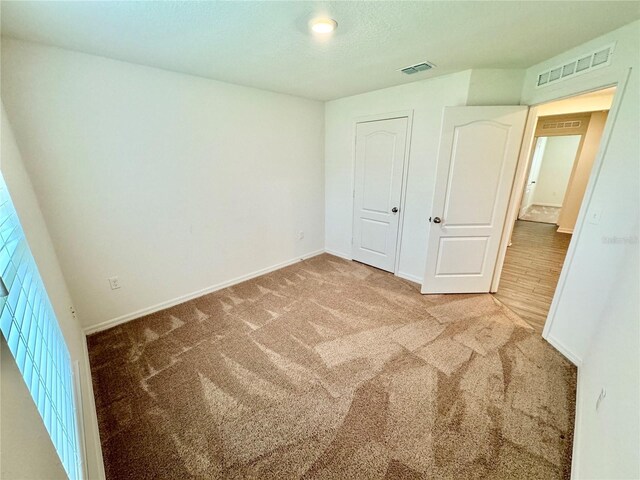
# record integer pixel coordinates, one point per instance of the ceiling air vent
(576, 66)
(418, 67)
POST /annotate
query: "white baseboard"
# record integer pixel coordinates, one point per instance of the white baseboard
(338, 254)
(576, 431)
(557, 205)
(573, 358)
(190, 296)
(568, 354)
(406, 276)
(564, 230)
(411, 278)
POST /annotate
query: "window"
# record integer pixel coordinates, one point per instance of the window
(31, 329)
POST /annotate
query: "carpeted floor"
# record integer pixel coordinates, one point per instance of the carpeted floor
(331, 369)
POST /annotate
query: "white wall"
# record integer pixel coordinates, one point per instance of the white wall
(574, 318)
(555, 169)
(490, 86)
(607, 438)
(426, 99)
(171, 182)
(581, 173)
(594, 319)
(33, 224)
(27, 452)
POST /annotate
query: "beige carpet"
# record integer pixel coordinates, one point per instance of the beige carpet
(331, 369)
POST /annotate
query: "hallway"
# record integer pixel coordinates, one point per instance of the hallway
(531, 270)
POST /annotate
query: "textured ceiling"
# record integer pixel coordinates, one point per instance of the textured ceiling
(267, 44)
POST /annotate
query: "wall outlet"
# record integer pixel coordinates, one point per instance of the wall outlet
(601, 397)
(300, 235)
(114, 283)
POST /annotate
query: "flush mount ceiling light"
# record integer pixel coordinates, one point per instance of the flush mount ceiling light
(323, 26)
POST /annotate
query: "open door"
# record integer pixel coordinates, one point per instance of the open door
(477, 159)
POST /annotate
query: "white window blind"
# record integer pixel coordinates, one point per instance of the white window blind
(31, 330)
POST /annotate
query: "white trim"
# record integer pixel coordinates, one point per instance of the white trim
(408, 114)
(408, 276)
(93, 414)
(190, 296)
(403, 189)
(564, 350)
(586, 200)
(517, 191)
(335, 253)
(80, 431)
(375, 117)
(557, 205)
(565, 230)
(576, 426)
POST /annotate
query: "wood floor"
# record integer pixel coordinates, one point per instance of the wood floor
(531, 270)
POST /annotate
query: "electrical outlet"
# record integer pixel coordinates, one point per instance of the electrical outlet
(300, 235)
(601, 397)
(114, 283)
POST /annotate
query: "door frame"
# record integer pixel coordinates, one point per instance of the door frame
(408, 114)
(574, 165)
(518, 189)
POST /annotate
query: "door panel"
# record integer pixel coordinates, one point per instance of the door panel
(374, 235)
(478, 153)
(379, 159)
(461, 255)
(463, 176)
(380, 153)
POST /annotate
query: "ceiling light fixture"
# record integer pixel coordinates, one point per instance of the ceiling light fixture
(323, 26)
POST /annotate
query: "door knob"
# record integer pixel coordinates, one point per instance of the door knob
(394, 209)
(436, 220)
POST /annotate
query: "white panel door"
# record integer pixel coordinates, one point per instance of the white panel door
(380, 154)
(477, 159)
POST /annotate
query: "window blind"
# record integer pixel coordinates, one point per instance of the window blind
(33, 335)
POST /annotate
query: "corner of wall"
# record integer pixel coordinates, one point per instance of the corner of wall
(36, 232)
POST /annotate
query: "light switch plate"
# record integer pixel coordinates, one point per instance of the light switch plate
(594, 216)
(114, 283)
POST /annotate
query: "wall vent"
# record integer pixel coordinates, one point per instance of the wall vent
(582, 64)
(556, 125)
(418, 67)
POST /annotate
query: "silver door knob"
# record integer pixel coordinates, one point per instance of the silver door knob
(436, 220)
(394, 209)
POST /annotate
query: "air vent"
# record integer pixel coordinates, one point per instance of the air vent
(556, 125)
(585, 63)
(418, 67)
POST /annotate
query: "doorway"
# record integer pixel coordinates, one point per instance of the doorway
(381, 154)
(548, 179)
(565, 142)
